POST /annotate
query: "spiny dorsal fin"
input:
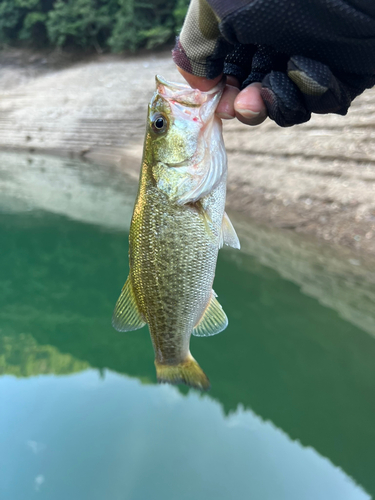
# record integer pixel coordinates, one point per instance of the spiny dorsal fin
(126, 316)
(228, 235)
(213, 321)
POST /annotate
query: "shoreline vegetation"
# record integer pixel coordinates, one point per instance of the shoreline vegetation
(106, 26)
(317, 178)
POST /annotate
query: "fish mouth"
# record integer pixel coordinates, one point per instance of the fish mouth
(176, 87)
(183, 94)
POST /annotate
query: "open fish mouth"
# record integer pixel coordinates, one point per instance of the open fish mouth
(185, 95)
(178, 87)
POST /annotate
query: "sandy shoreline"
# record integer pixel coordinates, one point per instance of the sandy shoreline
(318, 178)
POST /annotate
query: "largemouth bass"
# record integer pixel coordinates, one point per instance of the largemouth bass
(177, 228)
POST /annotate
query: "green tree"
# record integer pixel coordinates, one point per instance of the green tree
(145, 24)
(109, 24)
(80, 22)
(10, 20)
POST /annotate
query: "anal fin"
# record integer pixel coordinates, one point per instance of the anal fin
(213, 320)
(228, 234)
(126, 316)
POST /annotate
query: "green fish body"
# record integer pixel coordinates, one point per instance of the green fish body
(177, 228)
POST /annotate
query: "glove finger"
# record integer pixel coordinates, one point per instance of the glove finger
(356, 84)
(322, 91)
(265, 60)
(238, 62)
(284, 101)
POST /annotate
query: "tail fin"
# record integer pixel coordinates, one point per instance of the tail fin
(188, 372)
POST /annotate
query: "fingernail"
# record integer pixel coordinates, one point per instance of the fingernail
(247, 113)
(225, 116)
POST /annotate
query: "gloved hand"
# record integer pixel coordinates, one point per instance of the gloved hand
(310, 57)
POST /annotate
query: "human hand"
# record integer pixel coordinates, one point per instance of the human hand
(246, 105)
(288, 97)
(255, 44)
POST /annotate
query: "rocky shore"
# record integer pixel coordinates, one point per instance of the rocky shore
(317, 178)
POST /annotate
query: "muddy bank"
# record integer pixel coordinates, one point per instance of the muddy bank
(318, 178)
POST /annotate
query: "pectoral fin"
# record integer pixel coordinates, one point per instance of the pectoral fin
(228, 234)
(126, 316)
(213, 321)
(205, 214)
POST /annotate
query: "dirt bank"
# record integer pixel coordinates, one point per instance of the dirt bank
(98, 194)
(318, 178)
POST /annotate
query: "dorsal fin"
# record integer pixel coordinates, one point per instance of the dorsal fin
(126, 316)
(228, 235)
(213, 320)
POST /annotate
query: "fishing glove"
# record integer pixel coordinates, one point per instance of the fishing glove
(312, 56)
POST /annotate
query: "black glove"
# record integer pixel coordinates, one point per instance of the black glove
(311, 57)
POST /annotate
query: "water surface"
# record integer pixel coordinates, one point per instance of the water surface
(291, 411)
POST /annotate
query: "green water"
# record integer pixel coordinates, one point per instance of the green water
(291, 411)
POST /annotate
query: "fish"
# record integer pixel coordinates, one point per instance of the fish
(178, 225)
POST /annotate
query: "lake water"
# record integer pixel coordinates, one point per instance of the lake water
(291, 411)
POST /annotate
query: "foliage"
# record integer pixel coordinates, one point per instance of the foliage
(80, 22)
(114, 25)
(22, 356)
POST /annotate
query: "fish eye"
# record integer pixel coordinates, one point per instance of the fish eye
(159, 123)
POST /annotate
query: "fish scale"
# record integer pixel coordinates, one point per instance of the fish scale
(183, 259)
